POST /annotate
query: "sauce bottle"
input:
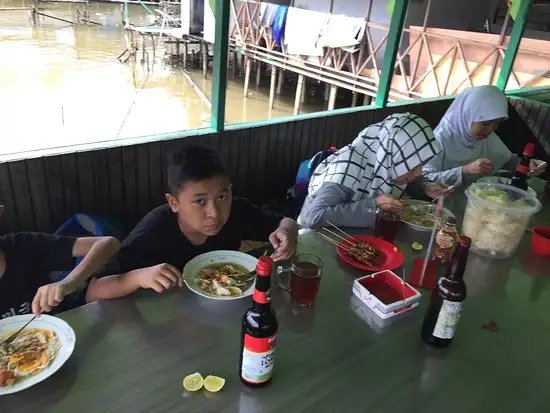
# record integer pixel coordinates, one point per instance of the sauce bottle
(519, 180)
(445, 241)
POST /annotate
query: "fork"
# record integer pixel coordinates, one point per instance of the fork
(10, 339)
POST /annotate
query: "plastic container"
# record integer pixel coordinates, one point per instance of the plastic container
(503, 180)
(497, 221)
(541, 241)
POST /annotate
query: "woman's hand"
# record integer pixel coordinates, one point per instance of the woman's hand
(435, 190)
(482, 166)
(536, 167)
(389, 201)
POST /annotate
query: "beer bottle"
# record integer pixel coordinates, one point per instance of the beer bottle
(519, 179)
(441, 319)
(259, 329)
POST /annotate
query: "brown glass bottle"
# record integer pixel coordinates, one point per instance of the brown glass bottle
(441, 319)
(259, 331)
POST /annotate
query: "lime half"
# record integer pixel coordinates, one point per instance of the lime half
(417, 246)
(193, 382)
(214, 383)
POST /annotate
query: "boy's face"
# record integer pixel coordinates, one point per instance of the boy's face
(203, 206)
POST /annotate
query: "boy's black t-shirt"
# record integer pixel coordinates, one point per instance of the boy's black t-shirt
(30, 258)
(157, 238)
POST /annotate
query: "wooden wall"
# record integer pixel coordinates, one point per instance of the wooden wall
(126, 182)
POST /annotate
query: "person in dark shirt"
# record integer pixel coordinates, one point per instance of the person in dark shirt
(200, 216)
(27, 259)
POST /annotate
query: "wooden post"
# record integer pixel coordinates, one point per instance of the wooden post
(219, 68)
(258, 73)
(353, 99)
(332, 97)
(326, 92)
(204, 59)
(392, 46)
(299, 88)
(367, 100)
(304, 89)
(272, 86)
(280, 81)
(185, 55)
(247, 64)
(234, 64)
(513, 44)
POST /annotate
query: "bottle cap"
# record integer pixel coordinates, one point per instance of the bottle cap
(529, 149)
(451, 221)
(264, 267)
(464, 241)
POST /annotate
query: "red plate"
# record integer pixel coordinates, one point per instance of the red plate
(393, 257)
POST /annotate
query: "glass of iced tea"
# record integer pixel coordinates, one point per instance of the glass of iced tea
(388, 220)
(302, 278)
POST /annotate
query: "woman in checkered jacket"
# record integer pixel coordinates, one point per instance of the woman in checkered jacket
(375, 168)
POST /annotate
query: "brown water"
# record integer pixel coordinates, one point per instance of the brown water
(61, 84)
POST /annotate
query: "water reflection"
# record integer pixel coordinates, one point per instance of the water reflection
(62, 84)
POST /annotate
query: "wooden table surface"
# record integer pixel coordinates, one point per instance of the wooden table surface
(132, 354)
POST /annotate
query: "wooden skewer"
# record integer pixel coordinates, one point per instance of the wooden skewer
(338, 236)
(337, 243)
(342, 231)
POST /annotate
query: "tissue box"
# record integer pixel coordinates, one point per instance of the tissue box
(385, 294)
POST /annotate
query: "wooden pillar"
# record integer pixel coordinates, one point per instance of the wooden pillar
(247, 64)
(326, 92)
(185, 50)
(353, 99)
(367, 100)
(272, 86)
(258, 73)
(304, 90)
(298, 97)
(234, 64)
(332, 97)
(204, 59)
(280, 81)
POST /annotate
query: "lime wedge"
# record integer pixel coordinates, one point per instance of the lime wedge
(417, 246)
(214, 383)
(193, 382)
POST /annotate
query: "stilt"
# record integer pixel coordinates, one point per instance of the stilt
(353, 99)
(234, 64)
(367, 100)
(258, 73)
(298, 97)
(272, 86)
(281, 81)
(332, 97)
(327, 89)
(304, 89)
(185, 55)
(204, 59)
(247, 64)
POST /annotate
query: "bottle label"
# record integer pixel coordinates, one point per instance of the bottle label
(447, 320)
(261, 297)
(444, 240)
(258, 358)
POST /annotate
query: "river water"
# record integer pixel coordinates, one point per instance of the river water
(61, 84)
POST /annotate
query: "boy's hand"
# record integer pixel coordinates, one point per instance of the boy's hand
(284, 243)
(51, 295)
(160, 278)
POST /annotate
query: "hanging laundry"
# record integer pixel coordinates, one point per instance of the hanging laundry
(344, 32)
(279, 25)
(303, 30)
(267, 14)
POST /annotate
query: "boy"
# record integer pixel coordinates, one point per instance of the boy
(200, 216)
(27, 258)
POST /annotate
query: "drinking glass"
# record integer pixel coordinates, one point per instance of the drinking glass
(388, 220)
(302, 278)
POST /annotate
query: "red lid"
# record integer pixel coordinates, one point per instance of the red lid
(265, 264)
(529, 149)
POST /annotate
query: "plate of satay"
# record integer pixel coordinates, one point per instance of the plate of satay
(363, 251)
(35, 354)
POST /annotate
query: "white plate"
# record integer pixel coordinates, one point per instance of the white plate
(192, 268)
(66, 346)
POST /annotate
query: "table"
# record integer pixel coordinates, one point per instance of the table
(131, 354)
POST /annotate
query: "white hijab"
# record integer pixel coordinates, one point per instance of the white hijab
(381, 153)
(478, 104)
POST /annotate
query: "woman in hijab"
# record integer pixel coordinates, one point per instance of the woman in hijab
(467, 135)
(374, 169)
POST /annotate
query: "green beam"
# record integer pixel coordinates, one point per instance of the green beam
(392, 46)
(219, 73)
(513, 45)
